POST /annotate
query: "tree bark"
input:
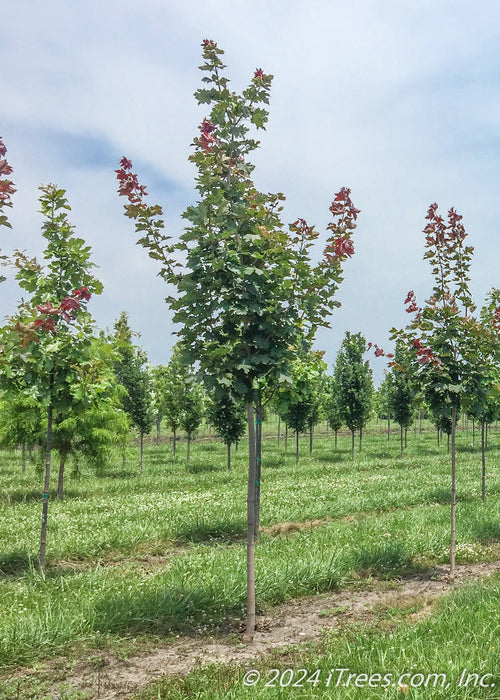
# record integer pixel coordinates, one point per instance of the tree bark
(258, 462)
(188, 447)
(46, 486)
(251, 503)
(336, 438)
(352, 444)
(360, 438)
(388, 426)
(279, 430)
(483, 463)
(310, 438)
(401, 438)
(453, 495)
(23, 448)
(228, 456)
(296, 448)
(142, 453)
(174, 439)
(158, 427)
(60, 478)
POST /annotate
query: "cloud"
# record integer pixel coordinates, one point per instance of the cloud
(399, 101)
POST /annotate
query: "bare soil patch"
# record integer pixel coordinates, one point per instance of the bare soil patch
(107, 677)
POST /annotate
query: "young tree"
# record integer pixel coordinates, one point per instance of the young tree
(403, 390)
(298, 404)
(173, 392)
(247, 295)
(132, 374)
(192, 408)
(48, 344)
(353, 377)
(228, 419)
(443, 336)
(332, 405)
(21, 424)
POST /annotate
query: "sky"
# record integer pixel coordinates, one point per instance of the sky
(397, 99)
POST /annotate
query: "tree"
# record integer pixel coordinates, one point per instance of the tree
(228, 419)
(21, 424)
(444, 335)
(47, 345)
(402, 395)
(132, 374)
(298, 404)
(192, 408)
(332, 405)
(247, 295)
(354, 381)
(173, 379)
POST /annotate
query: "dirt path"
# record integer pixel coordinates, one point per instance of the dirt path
(293, 623)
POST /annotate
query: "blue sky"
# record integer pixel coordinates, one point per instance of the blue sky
(397, 99)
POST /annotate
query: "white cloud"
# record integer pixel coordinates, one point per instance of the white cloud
(398, 100)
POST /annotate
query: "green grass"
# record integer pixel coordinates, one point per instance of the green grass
(392, 652)
(145, 556)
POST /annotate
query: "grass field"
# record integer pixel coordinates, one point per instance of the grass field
(141, 558)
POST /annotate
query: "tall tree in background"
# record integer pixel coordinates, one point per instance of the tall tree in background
(248, 296)
(353, 377)
(132, 374)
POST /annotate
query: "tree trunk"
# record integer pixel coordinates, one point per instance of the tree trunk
(23, 448)
(158, 427)
(279, 429)
(286, 436)
(46, 486)
(228, 455)
(473, 431)
(453, 495)
(296, 448)
(258, 462)
(352, 444)
(439, 437)
(483, 460)
(60, 479)
(336, 439)
(174, 440)
(142, 453)
(310, 438)
(251, 503)
(401, 438)
(188, 447)
(360, 438)
(406, 438)
(388, 426)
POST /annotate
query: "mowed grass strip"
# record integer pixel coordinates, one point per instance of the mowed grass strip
(177, 502)
(197, 511)
(451, 654)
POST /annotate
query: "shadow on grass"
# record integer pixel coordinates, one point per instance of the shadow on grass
(121, 474)
(16, 563)
(388, 560)
(203, 532)
(175, 609)
(201, 467)
(443, 497)
(35, 495)
(487, 531)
